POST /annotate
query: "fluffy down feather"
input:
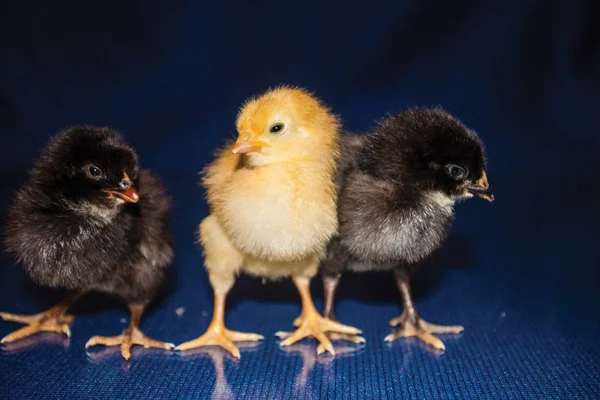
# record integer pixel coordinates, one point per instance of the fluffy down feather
(397, 187)
(272, 205)
(72, 240)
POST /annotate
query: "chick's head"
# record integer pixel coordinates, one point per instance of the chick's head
(432, 150)
(88, 165)
(285, 124)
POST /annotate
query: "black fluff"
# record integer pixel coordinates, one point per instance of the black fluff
(68, 234)
(395, 204)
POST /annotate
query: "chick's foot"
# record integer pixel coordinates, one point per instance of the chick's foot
(312, 323)
(317, 327)
(217, 334)
(330, 284)
(53, 320)
(412, 324)
(347, 337)
(421, 329)
(220, 336)
(47, 321)
(131, 336)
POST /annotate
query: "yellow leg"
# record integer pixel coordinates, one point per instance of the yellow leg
(131, 336)
(312, 323)
(217, 334)
(52, 320)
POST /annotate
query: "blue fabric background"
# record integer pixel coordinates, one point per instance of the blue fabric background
(522, 274)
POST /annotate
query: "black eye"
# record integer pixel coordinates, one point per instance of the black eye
(93, 172)
(276, 128)
(456, 172)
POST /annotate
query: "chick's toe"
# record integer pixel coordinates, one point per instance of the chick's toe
(54, 319)
(223, 338)
(130, 337)
(356, 339)
(421, 329)
(353, 338)
(313, 325)
(57, 324)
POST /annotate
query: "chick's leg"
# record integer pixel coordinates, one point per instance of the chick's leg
(330, 284)
(132, 335)
(331, 268)
(222, 261)
(312, 323)
(410, 321)
(53, 320)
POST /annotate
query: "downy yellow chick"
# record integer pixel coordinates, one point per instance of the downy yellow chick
(272, 208)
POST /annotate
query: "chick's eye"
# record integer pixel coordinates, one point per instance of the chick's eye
(93, 172)
(276, 128)
(456, 172)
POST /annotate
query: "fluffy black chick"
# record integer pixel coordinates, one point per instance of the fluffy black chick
(397, 187)
(89, 219)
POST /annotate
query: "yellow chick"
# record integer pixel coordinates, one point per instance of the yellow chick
(272, 205)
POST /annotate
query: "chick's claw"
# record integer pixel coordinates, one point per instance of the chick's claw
(129, 338)
(48, 321)
(356, 339)
(283, 334)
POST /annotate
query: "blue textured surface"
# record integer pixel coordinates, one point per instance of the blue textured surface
(522, 274)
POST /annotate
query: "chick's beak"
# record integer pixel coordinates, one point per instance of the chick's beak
(482, 189)
(126, 191)
(246, 143)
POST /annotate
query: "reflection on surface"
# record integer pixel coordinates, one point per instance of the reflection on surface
(405, 354)
(310, 358)
(217, 355)
(105, 354)
(42, 338)
(407, 343)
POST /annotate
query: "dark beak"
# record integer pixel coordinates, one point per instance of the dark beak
(126, 191)
(482, 189)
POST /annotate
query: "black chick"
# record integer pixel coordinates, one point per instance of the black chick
(89, 219)
(397, 188)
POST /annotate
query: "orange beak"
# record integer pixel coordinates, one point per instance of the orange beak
(482, 189)
(130, 195)
(247, 144)
(126, 191)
